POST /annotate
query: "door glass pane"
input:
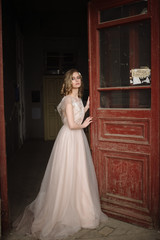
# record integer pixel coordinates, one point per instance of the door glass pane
(139, 98)
(123, 49)
(132, 9)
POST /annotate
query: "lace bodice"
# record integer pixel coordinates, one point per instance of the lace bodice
(78, 109)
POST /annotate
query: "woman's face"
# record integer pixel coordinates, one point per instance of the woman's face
(76, 80)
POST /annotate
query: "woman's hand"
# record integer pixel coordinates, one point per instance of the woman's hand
(87, 122)
(70, 118)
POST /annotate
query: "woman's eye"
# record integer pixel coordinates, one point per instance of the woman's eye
(73, 79)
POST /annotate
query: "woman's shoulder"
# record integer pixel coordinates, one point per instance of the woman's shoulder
(68, 99)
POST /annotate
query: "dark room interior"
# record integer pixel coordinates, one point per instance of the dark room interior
(40, 39)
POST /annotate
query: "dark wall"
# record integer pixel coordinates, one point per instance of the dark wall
(52, 32)
(9, 62)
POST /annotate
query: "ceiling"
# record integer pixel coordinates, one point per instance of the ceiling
(38, 7)
(61, 17)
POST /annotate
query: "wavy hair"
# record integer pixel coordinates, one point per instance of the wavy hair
(67, 84)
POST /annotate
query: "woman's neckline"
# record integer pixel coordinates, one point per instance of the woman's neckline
(77, 98)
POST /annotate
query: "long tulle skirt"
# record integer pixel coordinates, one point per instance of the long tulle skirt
(68, 199)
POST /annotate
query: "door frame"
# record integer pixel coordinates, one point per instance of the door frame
(93, 6)
(51, 126)
(3, 159)
(20, 86)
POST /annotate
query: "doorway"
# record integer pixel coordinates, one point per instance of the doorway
(52, 123)
(36, 28)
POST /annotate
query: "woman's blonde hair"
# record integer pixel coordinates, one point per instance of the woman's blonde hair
(67, 85)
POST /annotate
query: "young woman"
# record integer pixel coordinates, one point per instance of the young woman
(68, 199)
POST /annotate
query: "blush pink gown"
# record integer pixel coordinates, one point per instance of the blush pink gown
(68, 199)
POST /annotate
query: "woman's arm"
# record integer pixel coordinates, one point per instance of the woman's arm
(70, 118)
(87, 105)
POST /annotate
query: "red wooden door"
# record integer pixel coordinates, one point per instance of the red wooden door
(124, 91)
(4, 211)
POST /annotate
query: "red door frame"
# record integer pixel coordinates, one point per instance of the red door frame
(155, 106)
(154, 203)
(3, 164)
